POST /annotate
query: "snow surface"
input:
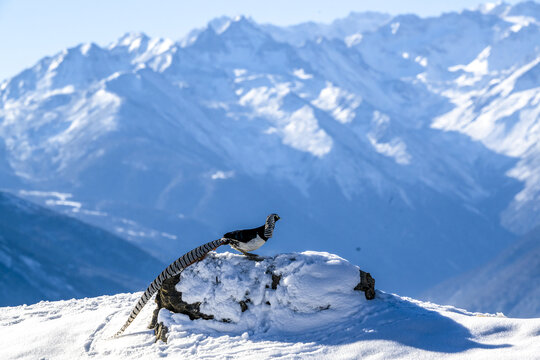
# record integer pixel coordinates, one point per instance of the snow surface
(293, 326)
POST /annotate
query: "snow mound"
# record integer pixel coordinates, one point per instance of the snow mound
(287, 293)
(293, 326)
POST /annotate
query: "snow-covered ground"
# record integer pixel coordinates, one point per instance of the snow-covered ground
(291, 327)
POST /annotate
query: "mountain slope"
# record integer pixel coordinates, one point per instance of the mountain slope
(47, 256)
(510, 283)
(485, 63)
(312, 313)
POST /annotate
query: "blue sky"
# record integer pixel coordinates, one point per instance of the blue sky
(32, 29)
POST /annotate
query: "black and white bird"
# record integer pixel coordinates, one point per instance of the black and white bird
(241, 240)
(249, 240)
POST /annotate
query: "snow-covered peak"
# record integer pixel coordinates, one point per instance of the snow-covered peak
(237, 23)
(498, 8)
(227, 29)
(352, 25)
(526, 9)
(140, 48)
(131, 40)
(219, 24)
(241, 31)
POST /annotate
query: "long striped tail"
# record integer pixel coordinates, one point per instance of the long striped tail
(175, 268)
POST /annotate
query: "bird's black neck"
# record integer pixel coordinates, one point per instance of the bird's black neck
(260, 232)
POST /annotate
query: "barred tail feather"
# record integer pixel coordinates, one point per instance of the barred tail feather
(175, 268)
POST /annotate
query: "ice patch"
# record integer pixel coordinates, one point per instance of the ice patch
(339, 102)
(239, 72)
(298, 129)
(303, 133)
(476, 69)
(94, 212)
(354, 39)
(301, 74)
(396, 149)
(74, 204)
(169, 236)
(222, 175)
(85, 48)
(394, 27)
(58, 195)
(487, 7)
(421, 60)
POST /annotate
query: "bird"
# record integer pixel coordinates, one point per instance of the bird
(241, 240)
(249, 240)
(174, 269)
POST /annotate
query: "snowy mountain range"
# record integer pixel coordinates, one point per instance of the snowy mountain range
(47, 256)
(408, 144)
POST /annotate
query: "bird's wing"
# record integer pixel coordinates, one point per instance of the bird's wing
(235, 235)
(244, 235)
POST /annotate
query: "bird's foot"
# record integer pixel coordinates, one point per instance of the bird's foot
(253, 257)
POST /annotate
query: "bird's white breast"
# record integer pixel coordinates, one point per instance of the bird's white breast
(251, 245)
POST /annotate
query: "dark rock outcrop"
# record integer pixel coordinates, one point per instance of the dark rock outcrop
(171, 299)
(367, 285)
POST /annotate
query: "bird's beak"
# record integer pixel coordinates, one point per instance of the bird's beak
(277, 217)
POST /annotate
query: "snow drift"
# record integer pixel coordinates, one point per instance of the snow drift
(294, 324)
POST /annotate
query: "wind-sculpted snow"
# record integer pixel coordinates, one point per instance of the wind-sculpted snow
(313, 314)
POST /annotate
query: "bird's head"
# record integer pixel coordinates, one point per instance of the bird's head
(269, 225)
